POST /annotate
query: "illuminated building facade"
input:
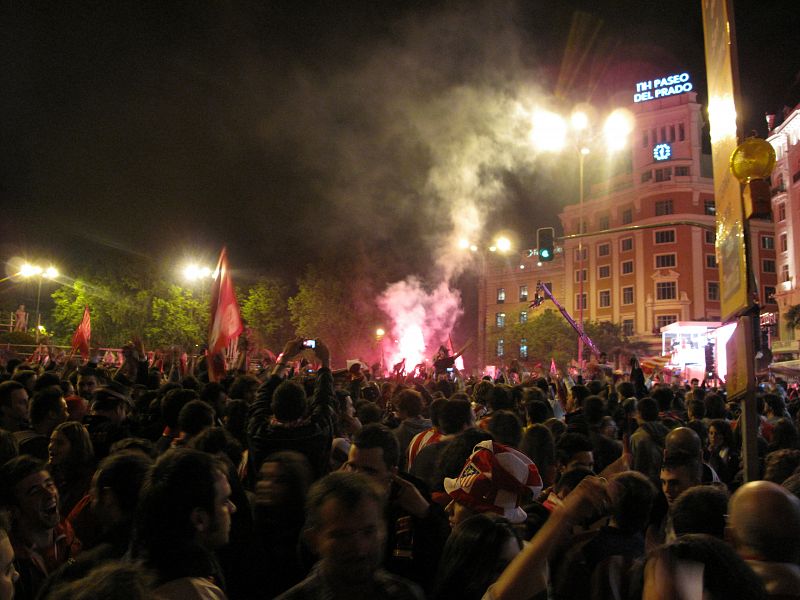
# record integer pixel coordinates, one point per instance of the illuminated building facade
(505, 291)
(785, 190)
(648, 256)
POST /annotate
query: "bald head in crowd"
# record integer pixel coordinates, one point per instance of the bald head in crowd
(764, 521)
(683, 439)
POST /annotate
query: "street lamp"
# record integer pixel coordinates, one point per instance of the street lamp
(550, 133)
(193, 272)
(28, 270)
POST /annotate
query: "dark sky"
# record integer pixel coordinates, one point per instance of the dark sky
(293, 131)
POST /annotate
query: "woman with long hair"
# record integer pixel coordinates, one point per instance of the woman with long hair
(723, 453)
(71, 462)
(475, 555)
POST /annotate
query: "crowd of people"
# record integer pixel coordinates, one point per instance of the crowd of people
(303, 482)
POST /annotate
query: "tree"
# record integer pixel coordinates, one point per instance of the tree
(129, 306)
(547, 335)
(793, 316)
(265, 310)
(118, 312)
(330, 304)
(178, 316)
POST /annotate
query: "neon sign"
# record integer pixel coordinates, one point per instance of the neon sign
(662, 152)
(661, 87)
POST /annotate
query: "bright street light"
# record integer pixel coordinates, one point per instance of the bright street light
(503, 244)
(549, 131)
(29, 270)
(193, 272)
(580, 120)
(617, 128)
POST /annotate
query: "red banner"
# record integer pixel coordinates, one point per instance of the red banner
(226, 321)
(80, 340)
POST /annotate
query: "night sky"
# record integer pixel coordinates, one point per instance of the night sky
(296, 131)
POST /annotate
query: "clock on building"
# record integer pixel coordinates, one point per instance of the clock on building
(662, 151)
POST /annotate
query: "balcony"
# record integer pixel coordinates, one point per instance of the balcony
(785, 346)
(778, 189)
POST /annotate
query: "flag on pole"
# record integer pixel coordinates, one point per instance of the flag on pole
(226, 321)
(459, 364)
(80, 340)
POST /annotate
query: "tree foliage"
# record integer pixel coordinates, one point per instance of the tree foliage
(178, 316)
(265, 310)
(331, 305)
(548, 335)
(127, 307)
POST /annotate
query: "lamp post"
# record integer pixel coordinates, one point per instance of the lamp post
(550, 133)
(29, 270)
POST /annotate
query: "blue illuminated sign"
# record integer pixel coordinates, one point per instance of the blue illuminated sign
(662, 151)
(661, 87)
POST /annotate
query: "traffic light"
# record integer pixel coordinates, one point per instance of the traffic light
(545, 241)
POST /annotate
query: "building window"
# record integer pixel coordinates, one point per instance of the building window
(767, 242)
(664, 320)
(664, 207)
(627, 295)
(709, 207)
(644, 139)
(626, 244)
(604, 298)
(523, 317)
(647, 176)
(523, 348)
(712, 291)
(768, 265)
(681, 132)
(784, 242)
(665, 261)
(627, 267)
(711, 237)
(672, 133)
(682, 171)
(785, 273)
(580, 301)
(523, 293)
(663, 134)
(582, 254)
(604, 249)
(501, 347)
(604, 272)
(603, 223)
(711, 261)
(782, 211)
(769, 294)
(580, 275)
(627, 216)
(627, 327)
(665, 236)
(501, 295)
(664, 174)
(500, 320)
(666, 290)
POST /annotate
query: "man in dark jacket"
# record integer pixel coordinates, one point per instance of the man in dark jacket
(281, 419)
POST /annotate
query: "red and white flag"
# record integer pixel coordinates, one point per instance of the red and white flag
(553, 369)
(226, 320)
(82, 335)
